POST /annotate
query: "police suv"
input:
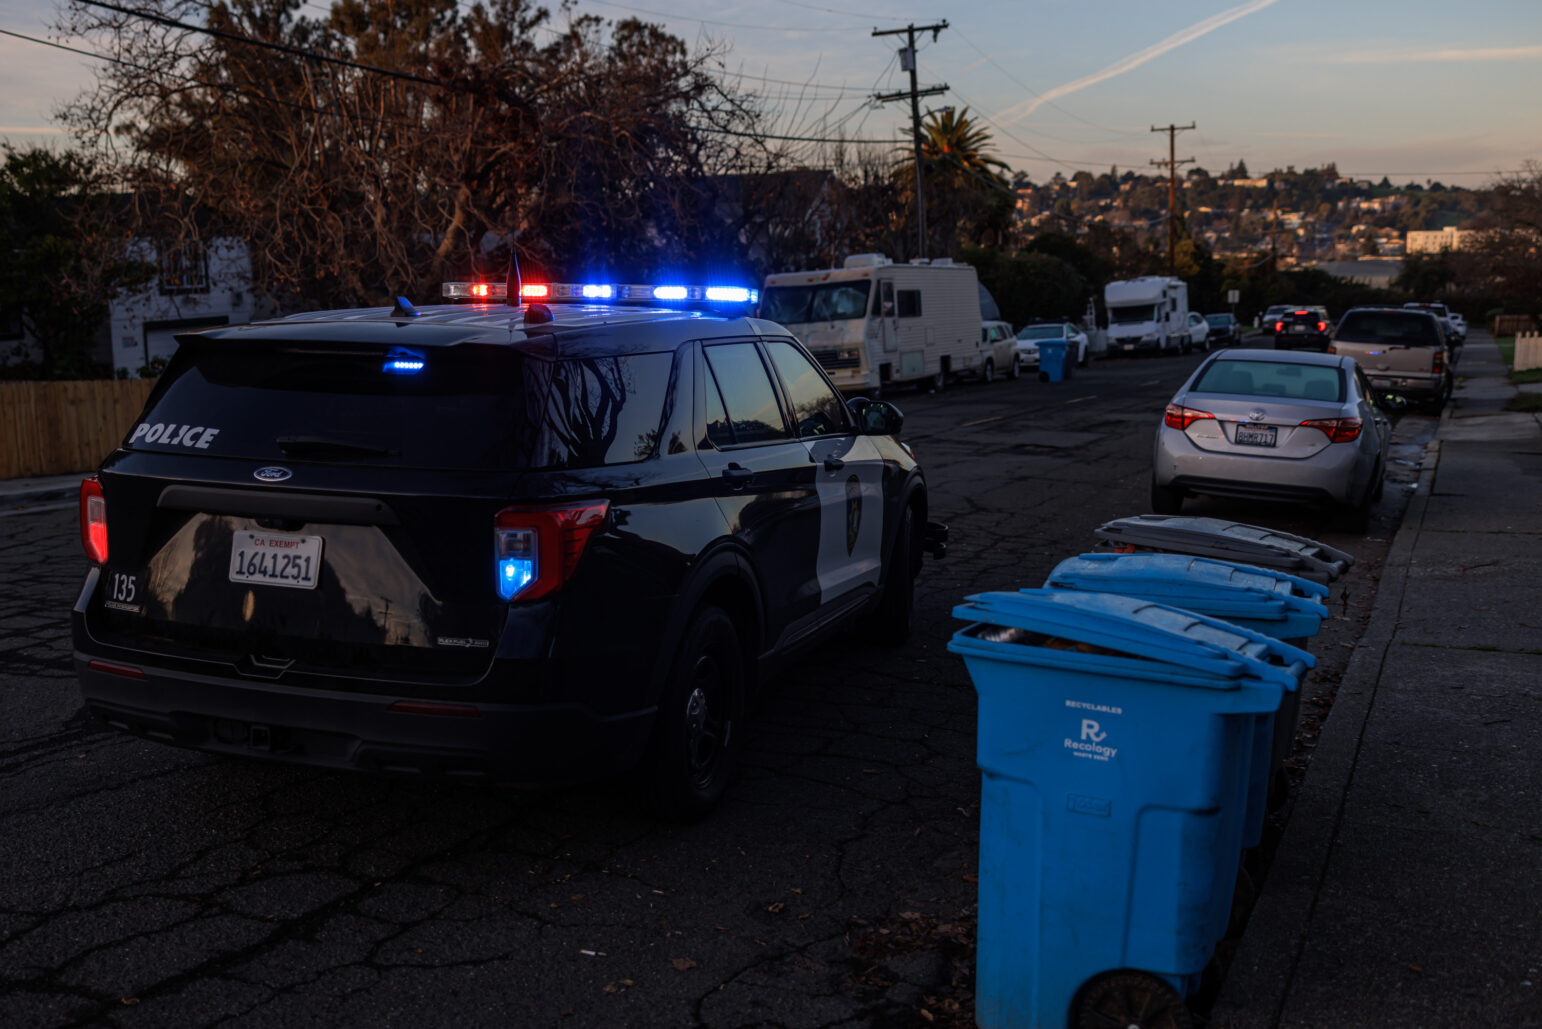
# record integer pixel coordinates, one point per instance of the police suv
(534, 539)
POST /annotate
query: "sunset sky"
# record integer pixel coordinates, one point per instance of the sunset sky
(1414, 90)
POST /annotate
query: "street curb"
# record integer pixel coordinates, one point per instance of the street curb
(1258, 983)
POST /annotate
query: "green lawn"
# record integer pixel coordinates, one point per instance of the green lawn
(1526, 402)
(1506, 345)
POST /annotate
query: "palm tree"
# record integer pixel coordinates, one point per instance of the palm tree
(967, 197)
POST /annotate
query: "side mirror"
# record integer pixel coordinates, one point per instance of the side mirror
(876, 417)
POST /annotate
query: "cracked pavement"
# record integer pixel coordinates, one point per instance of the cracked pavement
(144, 885)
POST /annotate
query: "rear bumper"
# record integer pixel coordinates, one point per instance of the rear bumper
(543, 743)
(1328, 476)
(1415, 387)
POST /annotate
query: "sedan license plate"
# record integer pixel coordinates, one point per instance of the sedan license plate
(1255, 435)
(1298, 328)
(273, 559)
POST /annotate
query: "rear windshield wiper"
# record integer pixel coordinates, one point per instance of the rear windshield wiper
(303, 446)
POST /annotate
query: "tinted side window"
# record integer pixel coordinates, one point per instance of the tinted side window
(817, 410)
(747, 394)
(910, 303)
(718, 430)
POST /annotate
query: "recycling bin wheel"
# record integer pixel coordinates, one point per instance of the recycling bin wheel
(1130, 1000)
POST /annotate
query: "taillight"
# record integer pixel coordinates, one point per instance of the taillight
(1179, 417)
(1439, 363)
(1279, 326)
(536, 549)
(1338, 430)
(1322, 326)
(93, 519)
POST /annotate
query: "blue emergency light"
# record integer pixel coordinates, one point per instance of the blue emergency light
(570, 292)
(401, 361)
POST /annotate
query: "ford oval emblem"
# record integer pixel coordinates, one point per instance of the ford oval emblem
(272, 473)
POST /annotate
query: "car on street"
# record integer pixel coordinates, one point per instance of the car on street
(1031, 335)
(1404, 351)
(1272, 315)
(1273, 425)
(534, 540)
(1303, 328)
(1001, 356)
(1225, 330)
(1199, 332)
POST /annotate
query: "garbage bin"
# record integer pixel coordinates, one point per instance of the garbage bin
(1276, 604)
(1228, 541)
(1112, 733)
(1055, 360)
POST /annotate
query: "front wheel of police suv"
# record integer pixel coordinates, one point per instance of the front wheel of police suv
(695, 748)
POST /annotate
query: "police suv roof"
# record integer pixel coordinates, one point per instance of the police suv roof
(579, 330)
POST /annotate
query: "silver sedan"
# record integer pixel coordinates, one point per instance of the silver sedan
(1273, 425)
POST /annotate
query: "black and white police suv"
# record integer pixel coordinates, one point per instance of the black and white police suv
(531, 542)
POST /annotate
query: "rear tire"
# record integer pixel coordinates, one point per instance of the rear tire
(695, 747)
(1085, 357)
(988, 373)
(1165, 499)
(1016, 369)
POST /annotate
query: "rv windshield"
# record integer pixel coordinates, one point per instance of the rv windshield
(826, 302)
(1130, 315)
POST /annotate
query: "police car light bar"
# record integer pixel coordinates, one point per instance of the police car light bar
(580, 291)
(487, 291)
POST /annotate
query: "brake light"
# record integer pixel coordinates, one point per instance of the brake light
(1322, 326)
(1180, 417)
(536, 549)
(1438, 364)
(1279, 326)
(93, 519)
(1338, 430)
(533, 290)
(1301, 312)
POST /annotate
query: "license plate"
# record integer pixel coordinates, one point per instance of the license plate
(1298, 328)
(275, 560)
(1129, 346)
(1255, 436)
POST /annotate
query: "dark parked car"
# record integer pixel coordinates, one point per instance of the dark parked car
(1302, 328)
(489, 542)
(1225, 330)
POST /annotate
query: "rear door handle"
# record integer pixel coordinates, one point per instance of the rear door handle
(737, 475)
(834, 464)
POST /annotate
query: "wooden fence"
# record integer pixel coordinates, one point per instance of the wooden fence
(1528, 352)
(55, 428)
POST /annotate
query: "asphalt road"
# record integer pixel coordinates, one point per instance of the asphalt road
(143, 885)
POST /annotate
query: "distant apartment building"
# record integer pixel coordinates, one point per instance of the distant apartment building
(1438, 240)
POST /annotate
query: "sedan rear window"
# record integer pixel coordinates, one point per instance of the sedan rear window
(469, 407)
(1288, 380)
(1407, 328)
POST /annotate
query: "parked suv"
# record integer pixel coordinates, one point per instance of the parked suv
(1302, 328)
(488, 542)
(1457, 334)
(1403, 351)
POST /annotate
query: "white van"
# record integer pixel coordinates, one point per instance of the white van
(1149, 313)
(873, 324)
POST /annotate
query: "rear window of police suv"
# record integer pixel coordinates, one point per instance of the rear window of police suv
(469, 407)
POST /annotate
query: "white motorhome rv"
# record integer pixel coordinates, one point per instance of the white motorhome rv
(873, 324)
(1149, 313)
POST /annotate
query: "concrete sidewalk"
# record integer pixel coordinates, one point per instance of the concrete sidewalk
(1407, 890)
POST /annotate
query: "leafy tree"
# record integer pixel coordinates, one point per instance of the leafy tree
(434, 139)
(1507, 258)
(1030, 286)
(57, 259)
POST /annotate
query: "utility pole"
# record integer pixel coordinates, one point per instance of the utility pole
(1171, 164)
(908, 62)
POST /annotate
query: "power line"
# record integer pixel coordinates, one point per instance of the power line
(1037, 95)
(703, 21)
(1171, 164)
(235, 37)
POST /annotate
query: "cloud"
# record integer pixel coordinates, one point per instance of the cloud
(1497, 53)
(1020, 111)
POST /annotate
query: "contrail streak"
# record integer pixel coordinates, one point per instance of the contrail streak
(1020, 111)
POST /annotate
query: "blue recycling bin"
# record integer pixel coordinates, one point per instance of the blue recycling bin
(1286, 607)
(1112, 734)
(1054, 360)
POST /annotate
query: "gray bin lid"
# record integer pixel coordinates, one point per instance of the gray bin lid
(1228, 541)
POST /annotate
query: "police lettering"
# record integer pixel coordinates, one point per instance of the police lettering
(173, 435)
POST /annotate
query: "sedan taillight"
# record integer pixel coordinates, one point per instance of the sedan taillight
(1338, 430)
(1179, 417)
